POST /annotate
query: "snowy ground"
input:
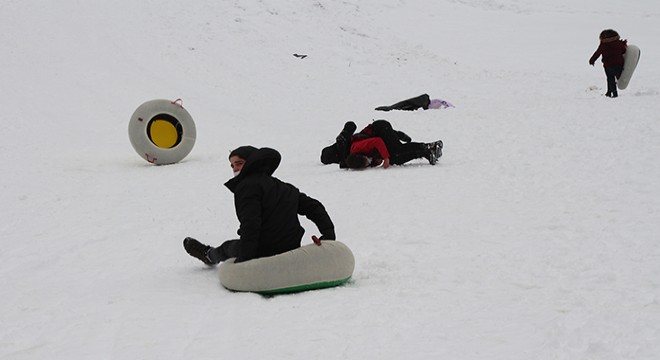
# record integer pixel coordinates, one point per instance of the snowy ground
(536, 236)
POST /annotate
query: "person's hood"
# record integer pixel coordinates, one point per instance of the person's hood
(261, 161)
(243, 152)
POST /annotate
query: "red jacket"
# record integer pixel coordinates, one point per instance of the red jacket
(612, 50)
(373, 147)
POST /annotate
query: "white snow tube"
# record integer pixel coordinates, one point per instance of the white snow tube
(305, 268)
(162, 131)
(630, 60)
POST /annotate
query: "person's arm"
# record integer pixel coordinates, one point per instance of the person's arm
(366, 146)
(596, 54)
(315, 211)
(379, 144)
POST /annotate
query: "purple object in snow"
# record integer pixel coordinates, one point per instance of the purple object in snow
(439, 104)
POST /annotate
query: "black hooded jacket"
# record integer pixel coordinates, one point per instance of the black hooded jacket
(268, 209)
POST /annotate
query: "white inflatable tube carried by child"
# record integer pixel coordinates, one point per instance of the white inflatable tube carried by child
(630, 60)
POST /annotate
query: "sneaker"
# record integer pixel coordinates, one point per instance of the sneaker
(432, 153)
(438, 149)
(198, 250)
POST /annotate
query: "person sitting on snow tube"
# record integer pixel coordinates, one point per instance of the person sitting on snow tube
(267, 209)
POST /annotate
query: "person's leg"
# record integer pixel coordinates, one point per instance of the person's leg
(410, 151)
(414, 150)
(343, 141)
(611, 73)
(198, 250)
(617, 74)
(209, 255)
(228, 249)
(619, 70)
(402, 153)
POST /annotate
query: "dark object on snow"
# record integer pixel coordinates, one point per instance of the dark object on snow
(421, 101)
(196, 249)
(337, 152)
(301, 56)
(399, 147)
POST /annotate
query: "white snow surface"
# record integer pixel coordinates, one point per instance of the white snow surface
(537, 235)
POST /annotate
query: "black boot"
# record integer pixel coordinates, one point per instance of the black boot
(438, 148)
(198, 250)
(434, 151)
(431, 155)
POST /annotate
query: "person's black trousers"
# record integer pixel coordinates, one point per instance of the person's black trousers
(613, 73)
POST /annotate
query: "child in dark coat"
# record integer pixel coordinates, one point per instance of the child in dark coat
(612, 49)
(377, 144)
(267, 210)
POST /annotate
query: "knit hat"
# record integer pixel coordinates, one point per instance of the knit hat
(609, 35)
(243, 152)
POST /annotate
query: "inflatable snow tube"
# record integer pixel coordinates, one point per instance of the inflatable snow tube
(162, 131)
(630, 60)
(305, 268)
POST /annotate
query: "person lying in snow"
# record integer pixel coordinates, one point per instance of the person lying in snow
(378, 143)
(423, 101)
(267, 210)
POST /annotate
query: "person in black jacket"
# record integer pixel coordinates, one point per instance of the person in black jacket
(267, 209)
(423, 101)
(400, 147)
(341, 149)
(411, 104)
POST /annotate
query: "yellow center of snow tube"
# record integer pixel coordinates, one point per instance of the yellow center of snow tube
(163, 134)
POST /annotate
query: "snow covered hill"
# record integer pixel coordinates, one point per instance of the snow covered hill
(535, 237)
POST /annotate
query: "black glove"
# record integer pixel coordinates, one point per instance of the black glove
(328, 235)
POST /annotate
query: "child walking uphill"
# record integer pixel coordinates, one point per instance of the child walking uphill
(612, 49)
